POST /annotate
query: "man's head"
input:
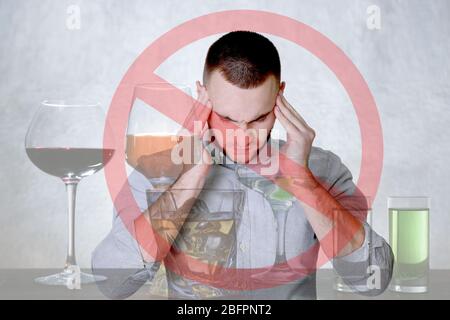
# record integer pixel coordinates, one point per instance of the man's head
(242, 79)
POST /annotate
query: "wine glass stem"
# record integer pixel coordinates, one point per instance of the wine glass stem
(71, 188)
(281, 217)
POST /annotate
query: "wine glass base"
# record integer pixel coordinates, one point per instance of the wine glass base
(342, 287)
(69, 279)
(162, 183)
(408, 289)
(277, 275)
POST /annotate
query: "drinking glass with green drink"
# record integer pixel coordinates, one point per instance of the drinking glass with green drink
(409, 239)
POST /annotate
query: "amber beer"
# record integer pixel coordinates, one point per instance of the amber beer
(150, 154)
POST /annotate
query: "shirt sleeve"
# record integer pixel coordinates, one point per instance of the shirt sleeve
(118, 257)
(368, 269)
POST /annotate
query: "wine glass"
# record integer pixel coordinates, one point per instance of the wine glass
(281, 202)
(155, 126)
(65, 140)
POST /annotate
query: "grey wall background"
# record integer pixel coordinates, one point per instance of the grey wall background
(404, 63)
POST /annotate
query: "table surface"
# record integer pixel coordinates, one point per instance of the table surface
(19, 284)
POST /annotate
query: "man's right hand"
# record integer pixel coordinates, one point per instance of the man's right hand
(181, 196)
(194, 137)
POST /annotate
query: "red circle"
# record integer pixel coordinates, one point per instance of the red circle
(142, 71)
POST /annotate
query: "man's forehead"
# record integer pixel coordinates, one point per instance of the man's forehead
(217, 82)
(225, 95)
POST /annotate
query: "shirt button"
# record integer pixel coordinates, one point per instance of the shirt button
(242, 246)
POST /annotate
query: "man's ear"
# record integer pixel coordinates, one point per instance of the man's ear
(282, 86)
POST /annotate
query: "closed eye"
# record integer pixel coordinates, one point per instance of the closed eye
(261, 118)
(226, 118)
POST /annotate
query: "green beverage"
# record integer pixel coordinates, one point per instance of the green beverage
(281, 195)
(409, 240)
(277, 196)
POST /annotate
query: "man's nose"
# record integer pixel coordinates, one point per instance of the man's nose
(242, 125)
(247, 131)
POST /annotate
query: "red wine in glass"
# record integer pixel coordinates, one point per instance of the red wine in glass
(69, 163)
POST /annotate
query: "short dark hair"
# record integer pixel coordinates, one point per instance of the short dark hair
(244, 58)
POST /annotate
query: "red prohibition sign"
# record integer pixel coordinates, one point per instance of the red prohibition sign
(143, 71)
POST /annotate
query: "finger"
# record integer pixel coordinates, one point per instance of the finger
(205, 116)
(203, 109)
(202, 96)
(199, 112)
(290, 128)
(290, 107)
(290, 113)
(198, 86)
(201, 105)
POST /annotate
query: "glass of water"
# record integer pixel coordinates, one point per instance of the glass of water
(409, 239)
(363, 210)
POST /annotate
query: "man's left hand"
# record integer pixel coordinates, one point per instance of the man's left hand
(300, 135)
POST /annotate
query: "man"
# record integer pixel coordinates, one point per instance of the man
(242, 92)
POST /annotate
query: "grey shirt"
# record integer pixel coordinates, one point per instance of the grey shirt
(366, 270)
